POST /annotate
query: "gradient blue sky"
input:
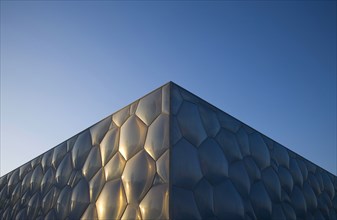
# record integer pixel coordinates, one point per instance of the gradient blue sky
(66, 65)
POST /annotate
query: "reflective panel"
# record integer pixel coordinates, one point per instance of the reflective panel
(79, 199)
(63, 203)
(112, 201)
(243, 141)
(132, 212)
(240, 178)
(36, 178)
(259, 150)
(185, 156)
(81, 149)
(190, 124)
(50, 199)
(93, 163)
(114, 168)
(155, 203)
(162, 165)
(99, 130)
(109, 145)
(203, 194)
(59, 153)
(46, 159)
(209, 120)
(120, 117)
(34, 206)
(166, 99)
(229, 145)
(90, 213)
(272, 184)
(184, 206)
(149, 107)
(47, 181)
(157, 139)
(138, 176)
(63, 171)
(132, 137)
(96, 185)
(260, 201)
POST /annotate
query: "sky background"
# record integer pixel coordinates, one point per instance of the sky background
(66, 65)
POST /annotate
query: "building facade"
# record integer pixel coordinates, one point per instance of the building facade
(169, 155)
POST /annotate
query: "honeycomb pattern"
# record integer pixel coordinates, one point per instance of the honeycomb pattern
(116, 169)
(169, 155)
(223, 169)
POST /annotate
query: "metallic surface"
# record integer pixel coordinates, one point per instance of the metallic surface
(169, 155)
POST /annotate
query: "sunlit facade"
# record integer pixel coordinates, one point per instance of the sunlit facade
(169, 155)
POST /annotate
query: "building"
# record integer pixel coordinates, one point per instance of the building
(169, 155)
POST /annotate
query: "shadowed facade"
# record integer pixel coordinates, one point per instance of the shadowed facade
(169, 155)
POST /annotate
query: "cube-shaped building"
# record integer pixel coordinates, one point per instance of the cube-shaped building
(169, 155)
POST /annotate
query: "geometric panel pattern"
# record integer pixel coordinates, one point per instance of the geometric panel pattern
(116, 169)
(223, 169)
(169, 155)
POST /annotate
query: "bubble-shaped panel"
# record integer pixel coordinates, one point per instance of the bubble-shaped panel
(114, 168)
(112, 201)
(185, 156)
(58, 155)
(149, 107)
(99, 130)
(132, 137)
(183, 204)
(260, 200)
(138, 176)
(239, 177)
(50, 199)
(120, 117)
(79, 199)
(227, 201)
(243, 141)
(272, 184)
(259, 150)
(213, 163)
(190, 124)
(109, 145)
(229, 145)
(90, 213)
(155, 204)
(131, 212)
(81, 149)
(36, 178)
(63, 171)
(63, 203)
(47, 180)
(93, 163)
(157, 139)
(209, 120)
(203, 194)
(96, 184)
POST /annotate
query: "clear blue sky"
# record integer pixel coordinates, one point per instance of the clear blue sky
(66, 65)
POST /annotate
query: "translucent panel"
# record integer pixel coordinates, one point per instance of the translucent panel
(328, 186)
(90, 213)
(239, 177)
(260, 201)
(46, 160)
(59, 153)
(213, 163)
(133, 107)
(243, 141)
(109, 145)
(114, 168)
(138, 176)
(227, 202)
(286, 179)
(229, 145)
(185, 156)
(71, 143)
(50, 199)
(16, 193)
(63, 171)
(93, 163)
(280, 154)
(303, 169)
(132, 137)
(203, 194)
(183, 204)
(228, 122)
(96, 184)
(310, 197)
(298, 202)
(34, 206)
(210, 121)
(272, 184)
(175, 131)
(47, 181)
(75, 176)
(149, 107)
(81, 149)
(163, 166)
(36, 161)
(252, 169)
(157, 140)
(166, 99)
(259, 150)
(14, 179)
(99, 130)
(296, 172)
(120, 117)
(278, 212)
(24, 169)
(36, 178)
(155, 204)
(132, 212)
(63, 203)
(190, 124)
(176, 100)
(79, 199)
(112, 201)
